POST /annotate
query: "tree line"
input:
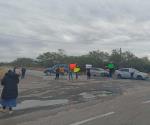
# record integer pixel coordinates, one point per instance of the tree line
(97, 58)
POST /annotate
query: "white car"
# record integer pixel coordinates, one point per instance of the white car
(131, 73)
(99, 72)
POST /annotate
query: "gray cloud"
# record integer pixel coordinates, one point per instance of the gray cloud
(31, 27)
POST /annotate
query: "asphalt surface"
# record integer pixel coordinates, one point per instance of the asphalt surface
(99, 101)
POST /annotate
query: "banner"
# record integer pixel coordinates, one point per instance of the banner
(77, 70)
(88, 66)
(72, 66)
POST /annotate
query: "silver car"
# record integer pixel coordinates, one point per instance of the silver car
(99, 72)
(131, 73)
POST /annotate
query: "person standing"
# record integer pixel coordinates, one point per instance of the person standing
(57, 73)
(110, 72)
(88, 74)
(76, 75)
(70, 74)
(132, 75)
(62, 71)
(76, 70)
(10, 91)
(14, 70)
(23, 72)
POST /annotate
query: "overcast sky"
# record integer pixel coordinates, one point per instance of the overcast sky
(31, 27)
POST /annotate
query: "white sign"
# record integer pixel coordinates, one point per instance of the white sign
(88, 66)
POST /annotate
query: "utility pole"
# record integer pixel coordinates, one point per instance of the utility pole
(120, 58)
(120, 53)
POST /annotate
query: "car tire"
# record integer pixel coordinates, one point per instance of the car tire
(119, 76)
(139, 78)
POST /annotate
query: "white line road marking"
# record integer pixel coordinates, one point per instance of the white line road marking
(93, 118)
(146, 102)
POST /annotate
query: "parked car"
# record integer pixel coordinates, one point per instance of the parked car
(52, 70)
(99, 72)
(49, 71)
(131, 73)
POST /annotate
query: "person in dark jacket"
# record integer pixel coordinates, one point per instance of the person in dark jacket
(88, 74)
(57, 73)
(23, 72)
(10, 91)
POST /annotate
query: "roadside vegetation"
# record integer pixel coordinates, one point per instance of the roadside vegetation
(97, 58)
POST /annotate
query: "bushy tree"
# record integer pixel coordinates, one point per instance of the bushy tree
(28, 62)
(97, 58)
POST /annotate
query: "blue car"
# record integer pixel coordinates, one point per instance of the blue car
(52, 70)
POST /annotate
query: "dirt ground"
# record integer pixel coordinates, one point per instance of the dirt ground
(39, 92)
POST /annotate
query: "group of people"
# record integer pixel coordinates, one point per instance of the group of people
(9, 93)
(111, 71)
(61, 71)
(10, 85)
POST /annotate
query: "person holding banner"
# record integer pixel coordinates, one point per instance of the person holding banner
(111, 69)
(76, 70)
(71, 70)
(70, 74)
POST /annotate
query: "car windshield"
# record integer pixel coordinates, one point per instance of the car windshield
(100, 69)
(136, 70)
(124, 70)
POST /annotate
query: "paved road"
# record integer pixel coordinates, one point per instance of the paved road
(133, 108)
(35, 73)
(44, 101)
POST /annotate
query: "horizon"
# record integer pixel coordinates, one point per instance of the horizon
(74, 55)
(29, 28)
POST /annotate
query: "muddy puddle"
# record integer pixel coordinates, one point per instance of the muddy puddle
(94, 94)
(27, 104)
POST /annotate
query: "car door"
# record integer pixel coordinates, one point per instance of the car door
(125, 73)
(95, 72)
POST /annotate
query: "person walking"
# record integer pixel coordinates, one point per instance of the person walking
(23, 72)
(10, 91)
